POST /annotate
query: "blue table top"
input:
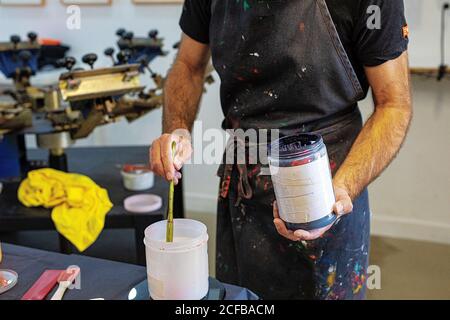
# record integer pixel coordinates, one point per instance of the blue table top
(100, 278)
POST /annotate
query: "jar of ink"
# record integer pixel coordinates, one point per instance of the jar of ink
(302, 180)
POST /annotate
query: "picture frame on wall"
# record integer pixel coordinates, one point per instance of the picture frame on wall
(87, 2)
(156, 1)
(35, 3)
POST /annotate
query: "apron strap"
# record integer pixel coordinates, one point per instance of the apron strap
(332, 31)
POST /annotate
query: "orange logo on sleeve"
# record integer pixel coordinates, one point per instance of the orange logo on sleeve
(405, 31)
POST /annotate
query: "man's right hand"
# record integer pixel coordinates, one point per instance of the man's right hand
(163, 162)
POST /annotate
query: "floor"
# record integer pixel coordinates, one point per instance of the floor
(409, 269)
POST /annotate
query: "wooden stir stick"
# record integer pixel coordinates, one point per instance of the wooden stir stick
(169, 231)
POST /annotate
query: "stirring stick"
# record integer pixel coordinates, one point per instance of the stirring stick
(169, 231)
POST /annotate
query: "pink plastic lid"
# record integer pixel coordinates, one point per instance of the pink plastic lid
(143, 203)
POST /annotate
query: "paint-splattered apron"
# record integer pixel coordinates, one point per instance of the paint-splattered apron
(283, 66)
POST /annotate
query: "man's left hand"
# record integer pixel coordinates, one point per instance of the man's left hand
(342, 207)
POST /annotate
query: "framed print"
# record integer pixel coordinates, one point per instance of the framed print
(87, 2)
(22, 3)
(156, 1)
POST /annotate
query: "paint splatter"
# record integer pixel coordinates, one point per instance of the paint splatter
(333, 165)
(358, 278)
(301, 27)
(331, 279)
(271, 94)
(245, 4)
(338, 294)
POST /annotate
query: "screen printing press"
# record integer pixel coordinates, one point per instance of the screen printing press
(58, 115)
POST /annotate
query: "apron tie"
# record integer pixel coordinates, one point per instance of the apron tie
(245, 190)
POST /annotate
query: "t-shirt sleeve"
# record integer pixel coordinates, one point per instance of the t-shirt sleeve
(195, 19)
(381, 31)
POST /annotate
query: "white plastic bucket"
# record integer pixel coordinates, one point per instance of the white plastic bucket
(177, 270)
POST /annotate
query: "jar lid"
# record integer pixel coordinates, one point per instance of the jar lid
(143, 203)
(135, 168)
(295, 146)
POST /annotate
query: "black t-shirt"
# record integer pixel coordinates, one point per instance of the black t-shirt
(364, 46)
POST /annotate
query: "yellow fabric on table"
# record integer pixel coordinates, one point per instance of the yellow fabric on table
(79, 204)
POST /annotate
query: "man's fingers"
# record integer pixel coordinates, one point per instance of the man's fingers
(178, 163)
(338, 208)
(343, 203)
(282, 230)
(177, 177)
(312, 234)
(156, 164)
(276, 214)
(167, 157)
(281, 226)
(162, 159)
(177, 157)
(308, 235)
(343, 206)
(183, 152)
(303, 235)
(348, 205)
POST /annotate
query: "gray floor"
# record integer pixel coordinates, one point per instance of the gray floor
(409, 269)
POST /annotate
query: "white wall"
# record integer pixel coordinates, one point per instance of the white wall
(424, 19)
(410, 200)
(98, 27)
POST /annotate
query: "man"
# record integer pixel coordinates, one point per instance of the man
(297, 66)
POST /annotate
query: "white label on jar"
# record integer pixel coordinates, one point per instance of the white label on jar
(304, 193)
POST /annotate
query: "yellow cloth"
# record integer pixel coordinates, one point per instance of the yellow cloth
(79, 205)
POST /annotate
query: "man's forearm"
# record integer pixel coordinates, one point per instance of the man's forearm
(374, 149)
(182, 94)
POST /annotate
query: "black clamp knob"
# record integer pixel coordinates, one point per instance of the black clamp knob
(15, 39)
(121, 32)
(90, 59)
(32, 36)
(128, 36)
(109, 52)
(69, 63)
(124, 56)
(153, 34)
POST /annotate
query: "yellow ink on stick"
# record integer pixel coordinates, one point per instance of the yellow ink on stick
(169, 231)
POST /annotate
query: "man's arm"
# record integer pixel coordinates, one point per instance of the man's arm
(377, 144)
(385, 131)
(182, 93)
(184, 85)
